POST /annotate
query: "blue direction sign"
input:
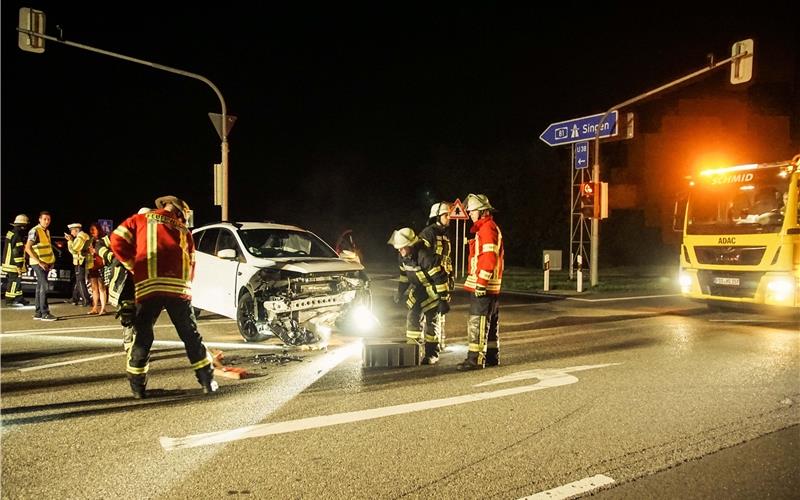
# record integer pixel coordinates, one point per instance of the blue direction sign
(581, 154)
(580, 129)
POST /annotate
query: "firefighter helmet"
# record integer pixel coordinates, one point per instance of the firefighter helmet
(438, 209)
(477, 202)
(143, 210)
(402, 238)
(21, 220)
(178, 203)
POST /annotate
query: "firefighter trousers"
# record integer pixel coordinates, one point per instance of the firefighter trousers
(424, 323)
(182, 316)
(13, 287)
(483, 329)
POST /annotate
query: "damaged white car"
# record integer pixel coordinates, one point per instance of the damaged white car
(278, 281)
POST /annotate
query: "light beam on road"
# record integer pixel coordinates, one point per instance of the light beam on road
(547, 378)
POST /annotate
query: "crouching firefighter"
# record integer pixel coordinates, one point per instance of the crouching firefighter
(483, 284)
(158, 249)
(120, 288)
(424, 282)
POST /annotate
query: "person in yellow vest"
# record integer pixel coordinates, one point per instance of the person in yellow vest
(41, 257)
(14, 261)
(78, 245)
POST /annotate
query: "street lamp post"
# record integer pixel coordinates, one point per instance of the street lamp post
(223, 126)
(741, 51)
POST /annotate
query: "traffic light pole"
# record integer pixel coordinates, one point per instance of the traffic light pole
(595, 238)
(223, 126)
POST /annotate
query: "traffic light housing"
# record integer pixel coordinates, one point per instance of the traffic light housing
(594, 200)
(588, 199)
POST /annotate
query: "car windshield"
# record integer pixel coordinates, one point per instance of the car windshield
(284, 243)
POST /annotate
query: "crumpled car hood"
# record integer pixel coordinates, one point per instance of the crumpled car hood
(309, 265)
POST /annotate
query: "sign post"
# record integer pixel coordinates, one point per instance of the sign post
(458, 214)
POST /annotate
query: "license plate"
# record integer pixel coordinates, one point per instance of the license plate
(726, 281)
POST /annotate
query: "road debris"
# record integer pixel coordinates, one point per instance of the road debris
(275, 359)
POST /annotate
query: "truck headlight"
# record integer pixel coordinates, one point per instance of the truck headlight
(780, 289)
(685, 281)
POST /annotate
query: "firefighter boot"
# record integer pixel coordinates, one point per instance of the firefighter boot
(205, 376)
(492, 357)
(431, 353)
(474, 361)
(138, 383)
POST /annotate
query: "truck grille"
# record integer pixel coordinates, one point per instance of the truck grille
(739, 284)
(737, 256)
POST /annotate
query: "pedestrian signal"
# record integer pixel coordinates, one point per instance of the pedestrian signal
(588, 199)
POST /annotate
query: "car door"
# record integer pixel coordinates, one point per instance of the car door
(226, 273)
(205, 260)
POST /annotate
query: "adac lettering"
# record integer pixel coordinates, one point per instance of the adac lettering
(727, 240)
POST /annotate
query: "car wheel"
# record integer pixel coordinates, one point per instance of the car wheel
(246, 320)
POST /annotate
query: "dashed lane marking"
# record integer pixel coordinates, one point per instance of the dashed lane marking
(573, 489)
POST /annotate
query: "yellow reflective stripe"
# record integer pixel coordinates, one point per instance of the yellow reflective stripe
(474, 347)
(187, 263)
(489, 247)
(442, 288)
(403, 279)
(137, 371)
(128, 264)
(203, 362)
(431, 338)
(152, 248)
(413, 334)
(123, 233)
(421, 277)
(484, 274)
(435, 270)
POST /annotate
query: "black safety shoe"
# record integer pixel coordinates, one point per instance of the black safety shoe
(47, 317)
(467, 365)
(139, 393)
(492, 362)
(430, 360)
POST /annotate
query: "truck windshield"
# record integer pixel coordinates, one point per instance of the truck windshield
(738, 203)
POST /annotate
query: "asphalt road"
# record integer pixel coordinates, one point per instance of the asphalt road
(629, 398)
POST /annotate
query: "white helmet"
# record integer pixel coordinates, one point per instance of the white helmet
(401, 238)
(440, 208)
(21, 220)
(477, 202)
(144, 210)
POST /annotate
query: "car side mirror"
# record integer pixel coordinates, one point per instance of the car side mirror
(228, 253)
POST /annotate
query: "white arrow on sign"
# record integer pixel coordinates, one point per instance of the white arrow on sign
(547, 378)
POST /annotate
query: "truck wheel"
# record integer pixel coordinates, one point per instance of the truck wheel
(246, 320)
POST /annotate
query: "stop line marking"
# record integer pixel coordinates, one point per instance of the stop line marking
(547, 378)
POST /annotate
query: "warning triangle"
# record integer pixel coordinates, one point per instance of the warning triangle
(457, 212)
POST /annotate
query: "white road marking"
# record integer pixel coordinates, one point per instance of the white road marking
(573, 489)
(109, 328)
(547, 378)
(70, 362)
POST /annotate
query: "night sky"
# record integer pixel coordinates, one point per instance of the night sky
(348, 117)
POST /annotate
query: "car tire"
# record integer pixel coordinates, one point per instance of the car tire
(246, 321)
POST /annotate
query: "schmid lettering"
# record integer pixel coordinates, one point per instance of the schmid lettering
(732, 179)
(727, 240)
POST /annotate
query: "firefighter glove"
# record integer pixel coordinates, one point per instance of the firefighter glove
(480, 290)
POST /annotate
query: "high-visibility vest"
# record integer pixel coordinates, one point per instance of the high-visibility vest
(43, 250)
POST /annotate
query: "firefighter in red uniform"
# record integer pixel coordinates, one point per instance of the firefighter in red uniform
(158, 249)
(483, 284)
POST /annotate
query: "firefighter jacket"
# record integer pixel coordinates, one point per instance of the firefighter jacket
(42, 249)
(436, 238)
(79, 248)
(485, 257)
(14, 251)
(422, 270)
(158, 250)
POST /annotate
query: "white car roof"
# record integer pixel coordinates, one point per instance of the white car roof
(251, 225)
